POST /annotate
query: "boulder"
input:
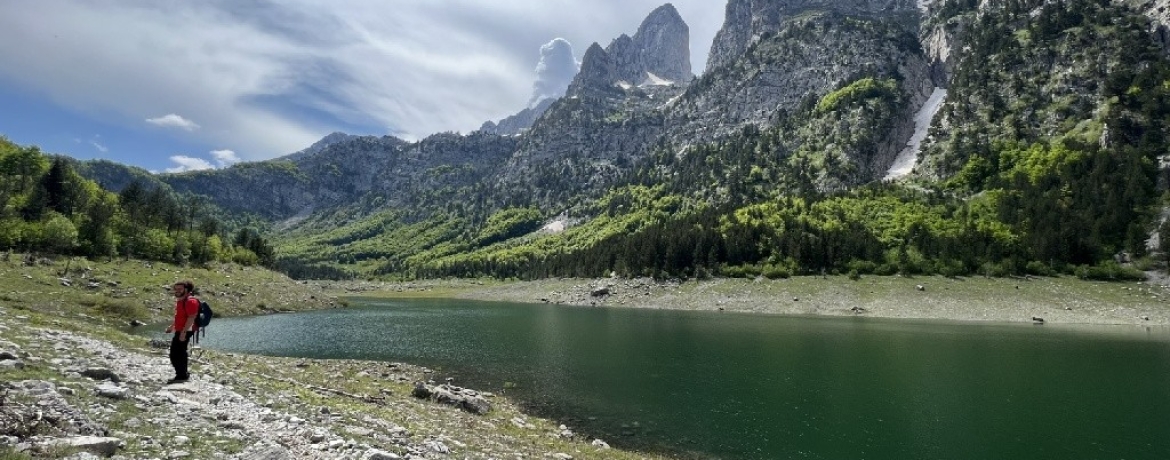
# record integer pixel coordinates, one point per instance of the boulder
(101, 373)
(12, 364)
(465, 399)
(109, 390)
(375, 454)
(99, 445)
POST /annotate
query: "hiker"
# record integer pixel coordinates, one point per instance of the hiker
(186, 309)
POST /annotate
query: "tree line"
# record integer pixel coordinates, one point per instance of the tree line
(47, 207)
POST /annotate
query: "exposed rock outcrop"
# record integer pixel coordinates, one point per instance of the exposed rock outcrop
(747, 21)
(660, 49)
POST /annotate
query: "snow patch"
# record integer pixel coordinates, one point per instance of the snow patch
(655, 80)
(555, 226)
(908, 157)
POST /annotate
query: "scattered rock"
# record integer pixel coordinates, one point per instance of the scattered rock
(600, 292)
(109, 390)
(600, 444)
(99, 445)
(1037, 320)
(101, 373)
(7, 355)
(12, 364)
(265, 450)
(375, 454)
(465, 399)
(920, 287)
(438, 447)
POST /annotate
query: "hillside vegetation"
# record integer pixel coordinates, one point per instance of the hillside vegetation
(1043, 160)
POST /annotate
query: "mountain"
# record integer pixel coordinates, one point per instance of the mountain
(332, 138)
(1026, 136)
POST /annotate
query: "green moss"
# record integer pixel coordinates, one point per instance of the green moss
(865, 88)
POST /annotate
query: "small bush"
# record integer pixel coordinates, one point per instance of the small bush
(741, 271)
(854, 275)
(951, 269)
(1109, 271)
(121, 308)
(1144, 264)
(863, 267)
(773, 272)
(994, 270)
(1038, 268)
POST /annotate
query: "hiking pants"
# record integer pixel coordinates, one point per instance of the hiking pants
(179, 356)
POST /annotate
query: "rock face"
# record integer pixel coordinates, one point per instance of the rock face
(749, 20)
(518, 123)
(660, 48)
(1159, 13)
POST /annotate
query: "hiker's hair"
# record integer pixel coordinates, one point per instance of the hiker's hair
(187, 284)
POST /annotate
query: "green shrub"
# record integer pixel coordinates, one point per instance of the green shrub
(776, 272)
(863, 267)
(994, 270)
(1109, 271)
(1038, 268)
(121, 308)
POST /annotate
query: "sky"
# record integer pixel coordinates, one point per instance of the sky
(175, 86)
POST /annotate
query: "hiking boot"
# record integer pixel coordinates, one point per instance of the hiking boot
(178, 380)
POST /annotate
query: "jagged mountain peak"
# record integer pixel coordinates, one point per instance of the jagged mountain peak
(661, 47)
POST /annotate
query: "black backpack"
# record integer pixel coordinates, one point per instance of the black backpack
(205, 314)
(202, 319)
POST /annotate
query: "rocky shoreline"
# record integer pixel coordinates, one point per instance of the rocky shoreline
(1001, 300)
(70, 388)
(69, 395)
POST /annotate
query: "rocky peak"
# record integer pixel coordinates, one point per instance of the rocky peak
(663, 42)
(748, 20)
(661, 48)
(597, 71)
(333, 138)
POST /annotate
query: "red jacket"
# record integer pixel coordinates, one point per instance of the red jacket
(185, 308)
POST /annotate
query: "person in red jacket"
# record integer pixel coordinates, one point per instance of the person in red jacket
(186, 309)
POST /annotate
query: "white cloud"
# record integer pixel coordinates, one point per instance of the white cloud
(225, 157)
(185, 163)
(555, 71)
(99, 147)
(270, 78)
(173, 121)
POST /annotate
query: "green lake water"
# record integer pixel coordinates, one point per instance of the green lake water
(737, 386)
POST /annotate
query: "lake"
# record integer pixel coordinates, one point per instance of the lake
(740, 386)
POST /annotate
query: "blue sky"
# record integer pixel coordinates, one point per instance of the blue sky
(207, 83)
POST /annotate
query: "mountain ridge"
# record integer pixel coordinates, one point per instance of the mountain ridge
(804, 98)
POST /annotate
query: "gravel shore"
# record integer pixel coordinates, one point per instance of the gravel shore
(1004, 300)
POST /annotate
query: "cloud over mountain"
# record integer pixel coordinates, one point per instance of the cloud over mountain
(554, 72)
